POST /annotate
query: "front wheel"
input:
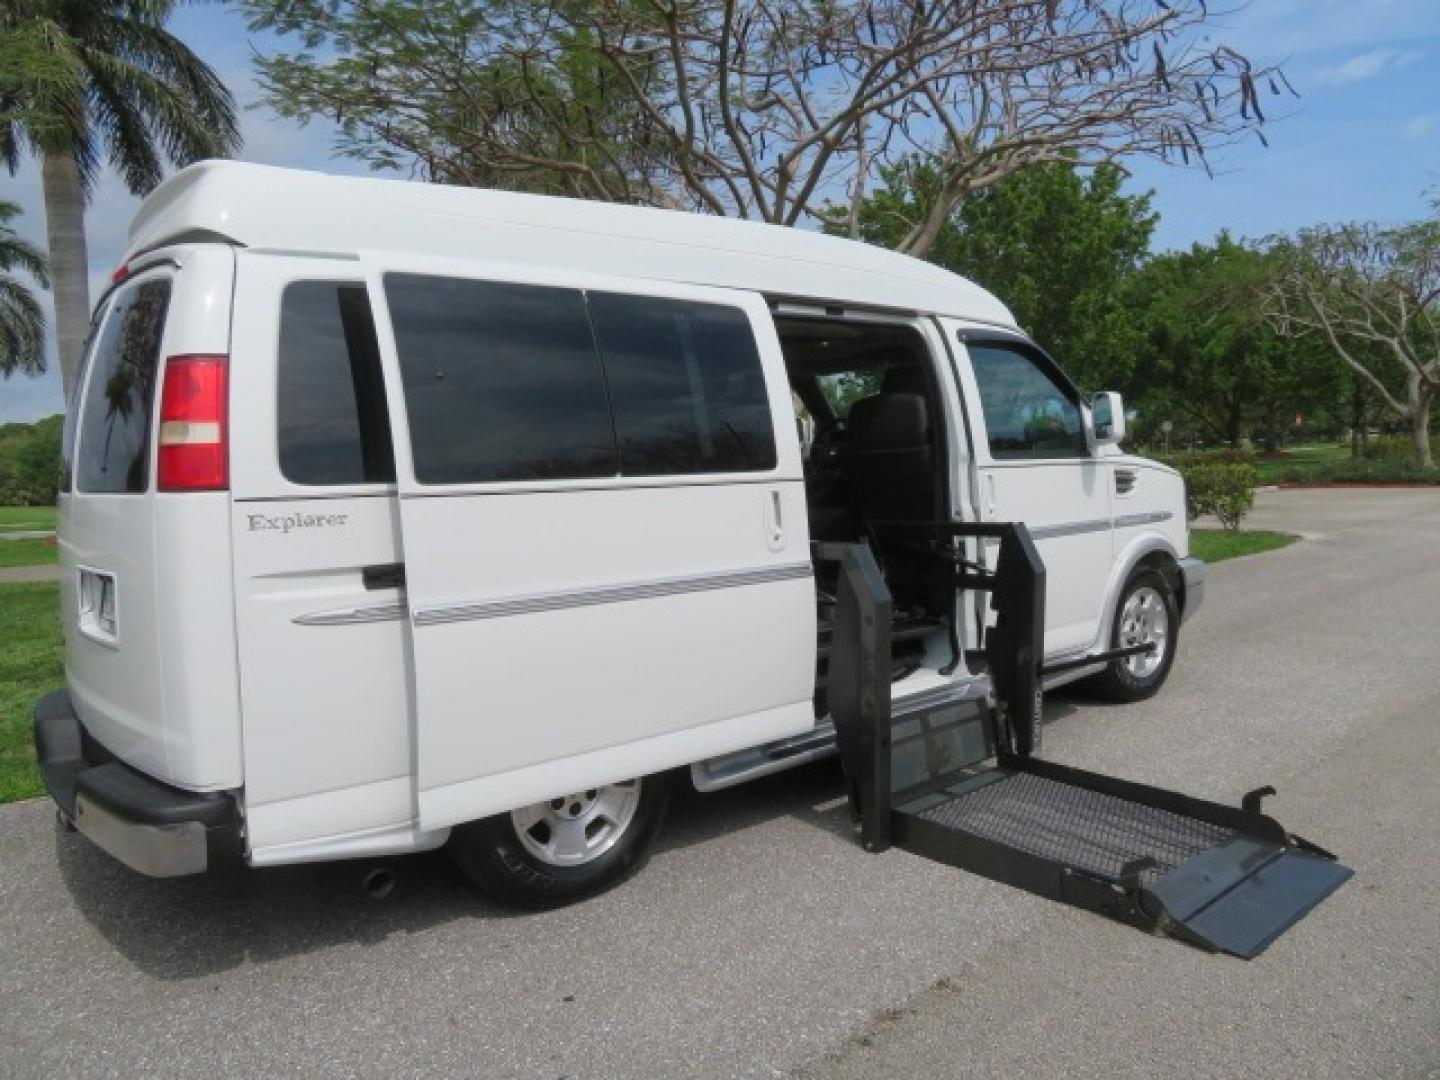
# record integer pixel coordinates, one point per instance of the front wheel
(1147, 614)
(565, 849)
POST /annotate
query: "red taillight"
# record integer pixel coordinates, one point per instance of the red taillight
(120, 274)
(194, 442)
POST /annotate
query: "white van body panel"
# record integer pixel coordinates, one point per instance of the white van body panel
(263, 207)
(162, 694)
(324, 661)
(568, 634)
(1066, 505)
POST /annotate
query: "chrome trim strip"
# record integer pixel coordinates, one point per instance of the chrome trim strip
(1069, 528)
(1127, 520)
(607, 594)
(352, 616)
(1076, 528)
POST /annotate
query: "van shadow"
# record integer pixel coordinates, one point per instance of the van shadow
(177, 929)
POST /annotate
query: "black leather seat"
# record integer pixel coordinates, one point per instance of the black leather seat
(892, 465)
(892, 456)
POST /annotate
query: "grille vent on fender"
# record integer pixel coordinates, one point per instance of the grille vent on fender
(1125, 480)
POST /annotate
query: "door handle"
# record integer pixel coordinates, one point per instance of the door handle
(990, 494)
(383, 576)
(774, 522)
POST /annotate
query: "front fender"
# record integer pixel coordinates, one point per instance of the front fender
(1136, 550)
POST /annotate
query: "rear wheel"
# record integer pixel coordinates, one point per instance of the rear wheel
(565, 849)
(1147, 614)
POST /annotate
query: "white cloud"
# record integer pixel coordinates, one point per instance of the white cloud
(1419, 127)
(1367, 65)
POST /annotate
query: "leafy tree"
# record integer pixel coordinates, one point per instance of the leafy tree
(756, 109)
(83, 81)
(1372, 296)
(22, 321)
(30, 462)
(1058, 243)
(1209, 356)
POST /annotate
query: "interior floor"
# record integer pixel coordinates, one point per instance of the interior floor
(872, 429)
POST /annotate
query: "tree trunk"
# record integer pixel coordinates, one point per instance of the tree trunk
(1357, 417)
(1420, 434)
(69, 264)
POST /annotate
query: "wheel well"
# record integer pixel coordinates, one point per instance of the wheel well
(1165, 563)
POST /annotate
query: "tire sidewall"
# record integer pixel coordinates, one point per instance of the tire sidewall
(1117, 680)
(492, 855)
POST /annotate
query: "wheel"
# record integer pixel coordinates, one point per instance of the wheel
(566, 849)
(1147, 614)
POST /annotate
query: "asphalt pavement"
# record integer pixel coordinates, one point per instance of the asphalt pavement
(761, 941)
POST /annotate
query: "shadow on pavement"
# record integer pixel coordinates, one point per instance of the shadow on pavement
(190, 927)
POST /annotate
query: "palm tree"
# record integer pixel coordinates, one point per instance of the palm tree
(90, 81)
(22, 321)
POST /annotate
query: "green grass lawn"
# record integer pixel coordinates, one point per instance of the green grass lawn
(30, 666)
(26, 518)
(1217, 545)
(26, 552)
(1297, 460)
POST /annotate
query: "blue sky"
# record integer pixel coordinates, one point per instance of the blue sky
(1362, 143)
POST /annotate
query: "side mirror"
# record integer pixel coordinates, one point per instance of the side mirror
(1107, 417)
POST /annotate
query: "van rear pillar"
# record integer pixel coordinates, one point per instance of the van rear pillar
(957, 779)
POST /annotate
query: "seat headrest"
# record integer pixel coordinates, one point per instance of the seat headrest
(890, 422)
(905, 379)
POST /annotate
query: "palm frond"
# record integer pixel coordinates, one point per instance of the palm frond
(19, 254)
(22, 329)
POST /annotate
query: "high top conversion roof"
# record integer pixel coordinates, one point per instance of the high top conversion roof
(273, 209)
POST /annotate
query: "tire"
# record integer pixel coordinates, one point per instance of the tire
(565, 850)
(1147, 611)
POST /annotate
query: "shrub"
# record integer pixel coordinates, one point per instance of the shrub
(1224, 489)
(1396, 448)
(1362, 471)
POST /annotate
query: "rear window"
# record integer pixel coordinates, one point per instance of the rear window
(502, 382)
(331, 398)
(686, 385)
(114, 436)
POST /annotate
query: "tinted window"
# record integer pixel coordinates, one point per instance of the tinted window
(114, 444)
(1028, 414)
(502, 382)
(686, 385)
(331, 403)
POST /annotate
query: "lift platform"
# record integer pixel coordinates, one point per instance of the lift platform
(958, 779)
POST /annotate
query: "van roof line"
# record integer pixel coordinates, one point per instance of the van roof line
(261, 206)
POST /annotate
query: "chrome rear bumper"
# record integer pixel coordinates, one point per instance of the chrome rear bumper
(149, 826)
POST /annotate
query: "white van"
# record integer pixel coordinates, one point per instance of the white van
(397, 514)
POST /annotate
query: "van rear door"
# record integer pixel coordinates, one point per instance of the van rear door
(145, 593)
(604, 532)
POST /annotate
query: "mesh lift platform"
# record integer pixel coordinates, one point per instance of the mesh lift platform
(956, 779)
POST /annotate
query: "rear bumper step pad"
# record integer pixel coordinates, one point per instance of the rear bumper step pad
(149, 826)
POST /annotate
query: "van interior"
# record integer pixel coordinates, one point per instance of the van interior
(872, 428)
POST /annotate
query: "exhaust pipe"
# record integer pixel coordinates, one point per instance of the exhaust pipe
(378, 882)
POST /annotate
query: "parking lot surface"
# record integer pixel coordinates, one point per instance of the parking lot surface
(761, 941)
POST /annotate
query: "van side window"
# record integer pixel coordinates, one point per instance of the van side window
(330, 407)
(1028, 413)
(114, 438)
(502, 381)
(686, 385)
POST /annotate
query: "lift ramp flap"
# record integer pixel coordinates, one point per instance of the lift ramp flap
(954, 778)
